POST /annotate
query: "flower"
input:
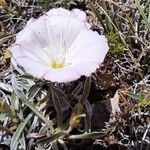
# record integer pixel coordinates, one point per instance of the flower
(59, 46)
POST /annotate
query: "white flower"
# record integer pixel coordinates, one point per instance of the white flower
(59, 46)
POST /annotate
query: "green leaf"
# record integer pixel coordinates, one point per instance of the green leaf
(55, 145)
(78, 89)
(57, 105)
(34, 124)
(145, 19)
(88, 111)
(51, 138)
(34, 90)
(62, 97)
(14, 101)
(15, 139)
(92, 135)
(27, 76)
(27, 103)
(62, 143)
(5, 87)
(3, 117)
(86, 91)
(22, 141)
(116, 45)
(6, 108)
(134, 96)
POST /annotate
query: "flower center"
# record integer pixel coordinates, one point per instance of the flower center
(57, 65)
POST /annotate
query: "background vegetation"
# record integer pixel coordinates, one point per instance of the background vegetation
(40, 115)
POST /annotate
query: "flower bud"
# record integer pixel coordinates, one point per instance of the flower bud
(3, 3)
(76, 117)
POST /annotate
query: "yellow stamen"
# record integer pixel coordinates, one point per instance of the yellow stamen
(57, 65)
